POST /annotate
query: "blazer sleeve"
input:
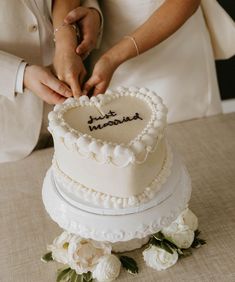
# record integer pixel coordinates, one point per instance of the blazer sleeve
(9, 65)
(95, 5)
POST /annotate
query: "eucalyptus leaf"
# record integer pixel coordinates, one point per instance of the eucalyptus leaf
(129, 264)
(47, 257)
(63, 274)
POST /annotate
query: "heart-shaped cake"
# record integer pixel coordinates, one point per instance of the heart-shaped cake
(111, 148)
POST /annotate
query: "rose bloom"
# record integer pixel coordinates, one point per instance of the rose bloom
(84, 254)
(187, 217)
(107, 269)
(158, 258)
(59, 247)
(181, 231)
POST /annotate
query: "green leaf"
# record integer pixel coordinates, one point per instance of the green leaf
(154, 242)
(129, 264)
(63, 274)
(75, 277)
(172, 245)
(197, 233)
(158, 236)
(87, 276)
(166, 247)
(184, 253)
(47, 257)
(197, 243)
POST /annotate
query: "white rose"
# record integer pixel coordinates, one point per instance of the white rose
(84, 254)
(187, 217)
(107, 269)
(158, 258)
(59, 247)
(181, 235)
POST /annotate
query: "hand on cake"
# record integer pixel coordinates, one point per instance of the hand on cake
(44, 84)
(101, 76)
(89, 21)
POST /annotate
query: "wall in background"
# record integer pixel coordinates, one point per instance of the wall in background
(226, 68)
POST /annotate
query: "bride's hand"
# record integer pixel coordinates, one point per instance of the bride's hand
(89, 22)
(69, 68)
(101, 76)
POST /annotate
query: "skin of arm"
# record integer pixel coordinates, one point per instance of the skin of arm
(167, 19)
(69, 53)
(68, 65)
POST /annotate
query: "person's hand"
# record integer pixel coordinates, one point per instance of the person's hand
(44, 84)
(69, 68)
(101, 76)
(89, 21)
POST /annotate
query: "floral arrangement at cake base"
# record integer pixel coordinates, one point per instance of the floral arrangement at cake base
(87, 259)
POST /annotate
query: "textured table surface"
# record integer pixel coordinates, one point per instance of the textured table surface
(208, 148)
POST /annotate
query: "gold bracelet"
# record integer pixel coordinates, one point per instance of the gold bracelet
(134, 42)
(74, 26)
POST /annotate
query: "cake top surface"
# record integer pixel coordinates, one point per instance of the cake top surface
(120, 126)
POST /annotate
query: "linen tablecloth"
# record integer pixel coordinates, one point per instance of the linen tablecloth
(208, 149)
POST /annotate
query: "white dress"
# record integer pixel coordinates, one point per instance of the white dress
(181, 69)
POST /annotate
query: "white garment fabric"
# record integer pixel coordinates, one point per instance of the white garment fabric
(181, 69)
(26, 34)
(20, 78)
(221, 27)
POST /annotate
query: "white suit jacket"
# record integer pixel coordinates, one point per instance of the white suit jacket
(21, 115)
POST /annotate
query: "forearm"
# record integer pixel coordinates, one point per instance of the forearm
(66, 36)
(160, 25)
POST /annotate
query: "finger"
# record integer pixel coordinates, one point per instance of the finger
(75, 15)
(57, 85)
(50, 96)
(76, 89)
(91, 82)
(85, 47)
(100, 88)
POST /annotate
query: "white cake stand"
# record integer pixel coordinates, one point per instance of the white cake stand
(130, 225)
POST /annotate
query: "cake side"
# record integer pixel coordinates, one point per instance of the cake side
(112, 143)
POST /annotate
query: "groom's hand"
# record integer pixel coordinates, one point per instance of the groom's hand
(89, 21)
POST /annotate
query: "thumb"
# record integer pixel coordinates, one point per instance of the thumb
(75, 15)
(91, 83)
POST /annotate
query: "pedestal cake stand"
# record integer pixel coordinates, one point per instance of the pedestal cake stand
(126, 229)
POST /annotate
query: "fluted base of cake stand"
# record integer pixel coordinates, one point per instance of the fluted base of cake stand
(119, 228)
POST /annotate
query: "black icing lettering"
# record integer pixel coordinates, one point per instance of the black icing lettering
(113, 122)
(95, 127)
(106, 116)
(137, 116)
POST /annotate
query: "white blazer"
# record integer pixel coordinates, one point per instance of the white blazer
(21, 114)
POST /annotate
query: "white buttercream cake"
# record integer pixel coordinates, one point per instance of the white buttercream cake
(111, 149)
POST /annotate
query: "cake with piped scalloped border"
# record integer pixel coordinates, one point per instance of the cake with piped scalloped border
(111, 149)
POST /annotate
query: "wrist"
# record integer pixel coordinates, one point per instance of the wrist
(66, 37)
(120, 52)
